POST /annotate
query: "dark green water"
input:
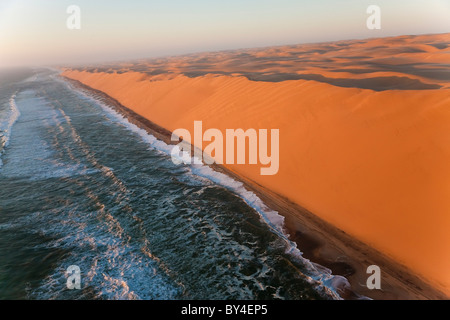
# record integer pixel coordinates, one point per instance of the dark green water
(79, 187)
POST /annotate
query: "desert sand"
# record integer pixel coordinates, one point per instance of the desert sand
(364, 132)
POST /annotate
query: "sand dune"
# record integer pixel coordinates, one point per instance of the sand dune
(364, 129)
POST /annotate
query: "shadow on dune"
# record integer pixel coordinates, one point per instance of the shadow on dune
(376, 83)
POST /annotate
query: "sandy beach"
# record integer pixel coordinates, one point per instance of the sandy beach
(364, 144)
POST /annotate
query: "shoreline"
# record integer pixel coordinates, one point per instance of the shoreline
(319, 241)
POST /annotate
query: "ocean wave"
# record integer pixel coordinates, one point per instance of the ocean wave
(318, 276)
(7, 124)
(105, 258)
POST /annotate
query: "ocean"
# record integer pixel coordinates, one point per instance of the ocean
(80, 185)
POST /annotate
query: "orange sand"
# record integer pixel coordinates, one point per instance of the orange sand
(373, 163)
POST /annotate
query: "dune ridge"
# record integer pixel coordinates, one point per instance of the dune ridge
(372, 160)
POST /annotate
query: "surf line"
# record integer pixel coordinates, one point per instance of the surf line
(5, 131)
(235, 147)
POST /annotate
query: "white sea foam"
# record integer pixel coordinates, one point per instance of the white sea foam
(319, 276)
(7, 124)
(33, 78)
(112, 267)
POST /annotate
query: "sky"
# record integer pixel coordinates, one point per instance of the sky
(34, 32)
